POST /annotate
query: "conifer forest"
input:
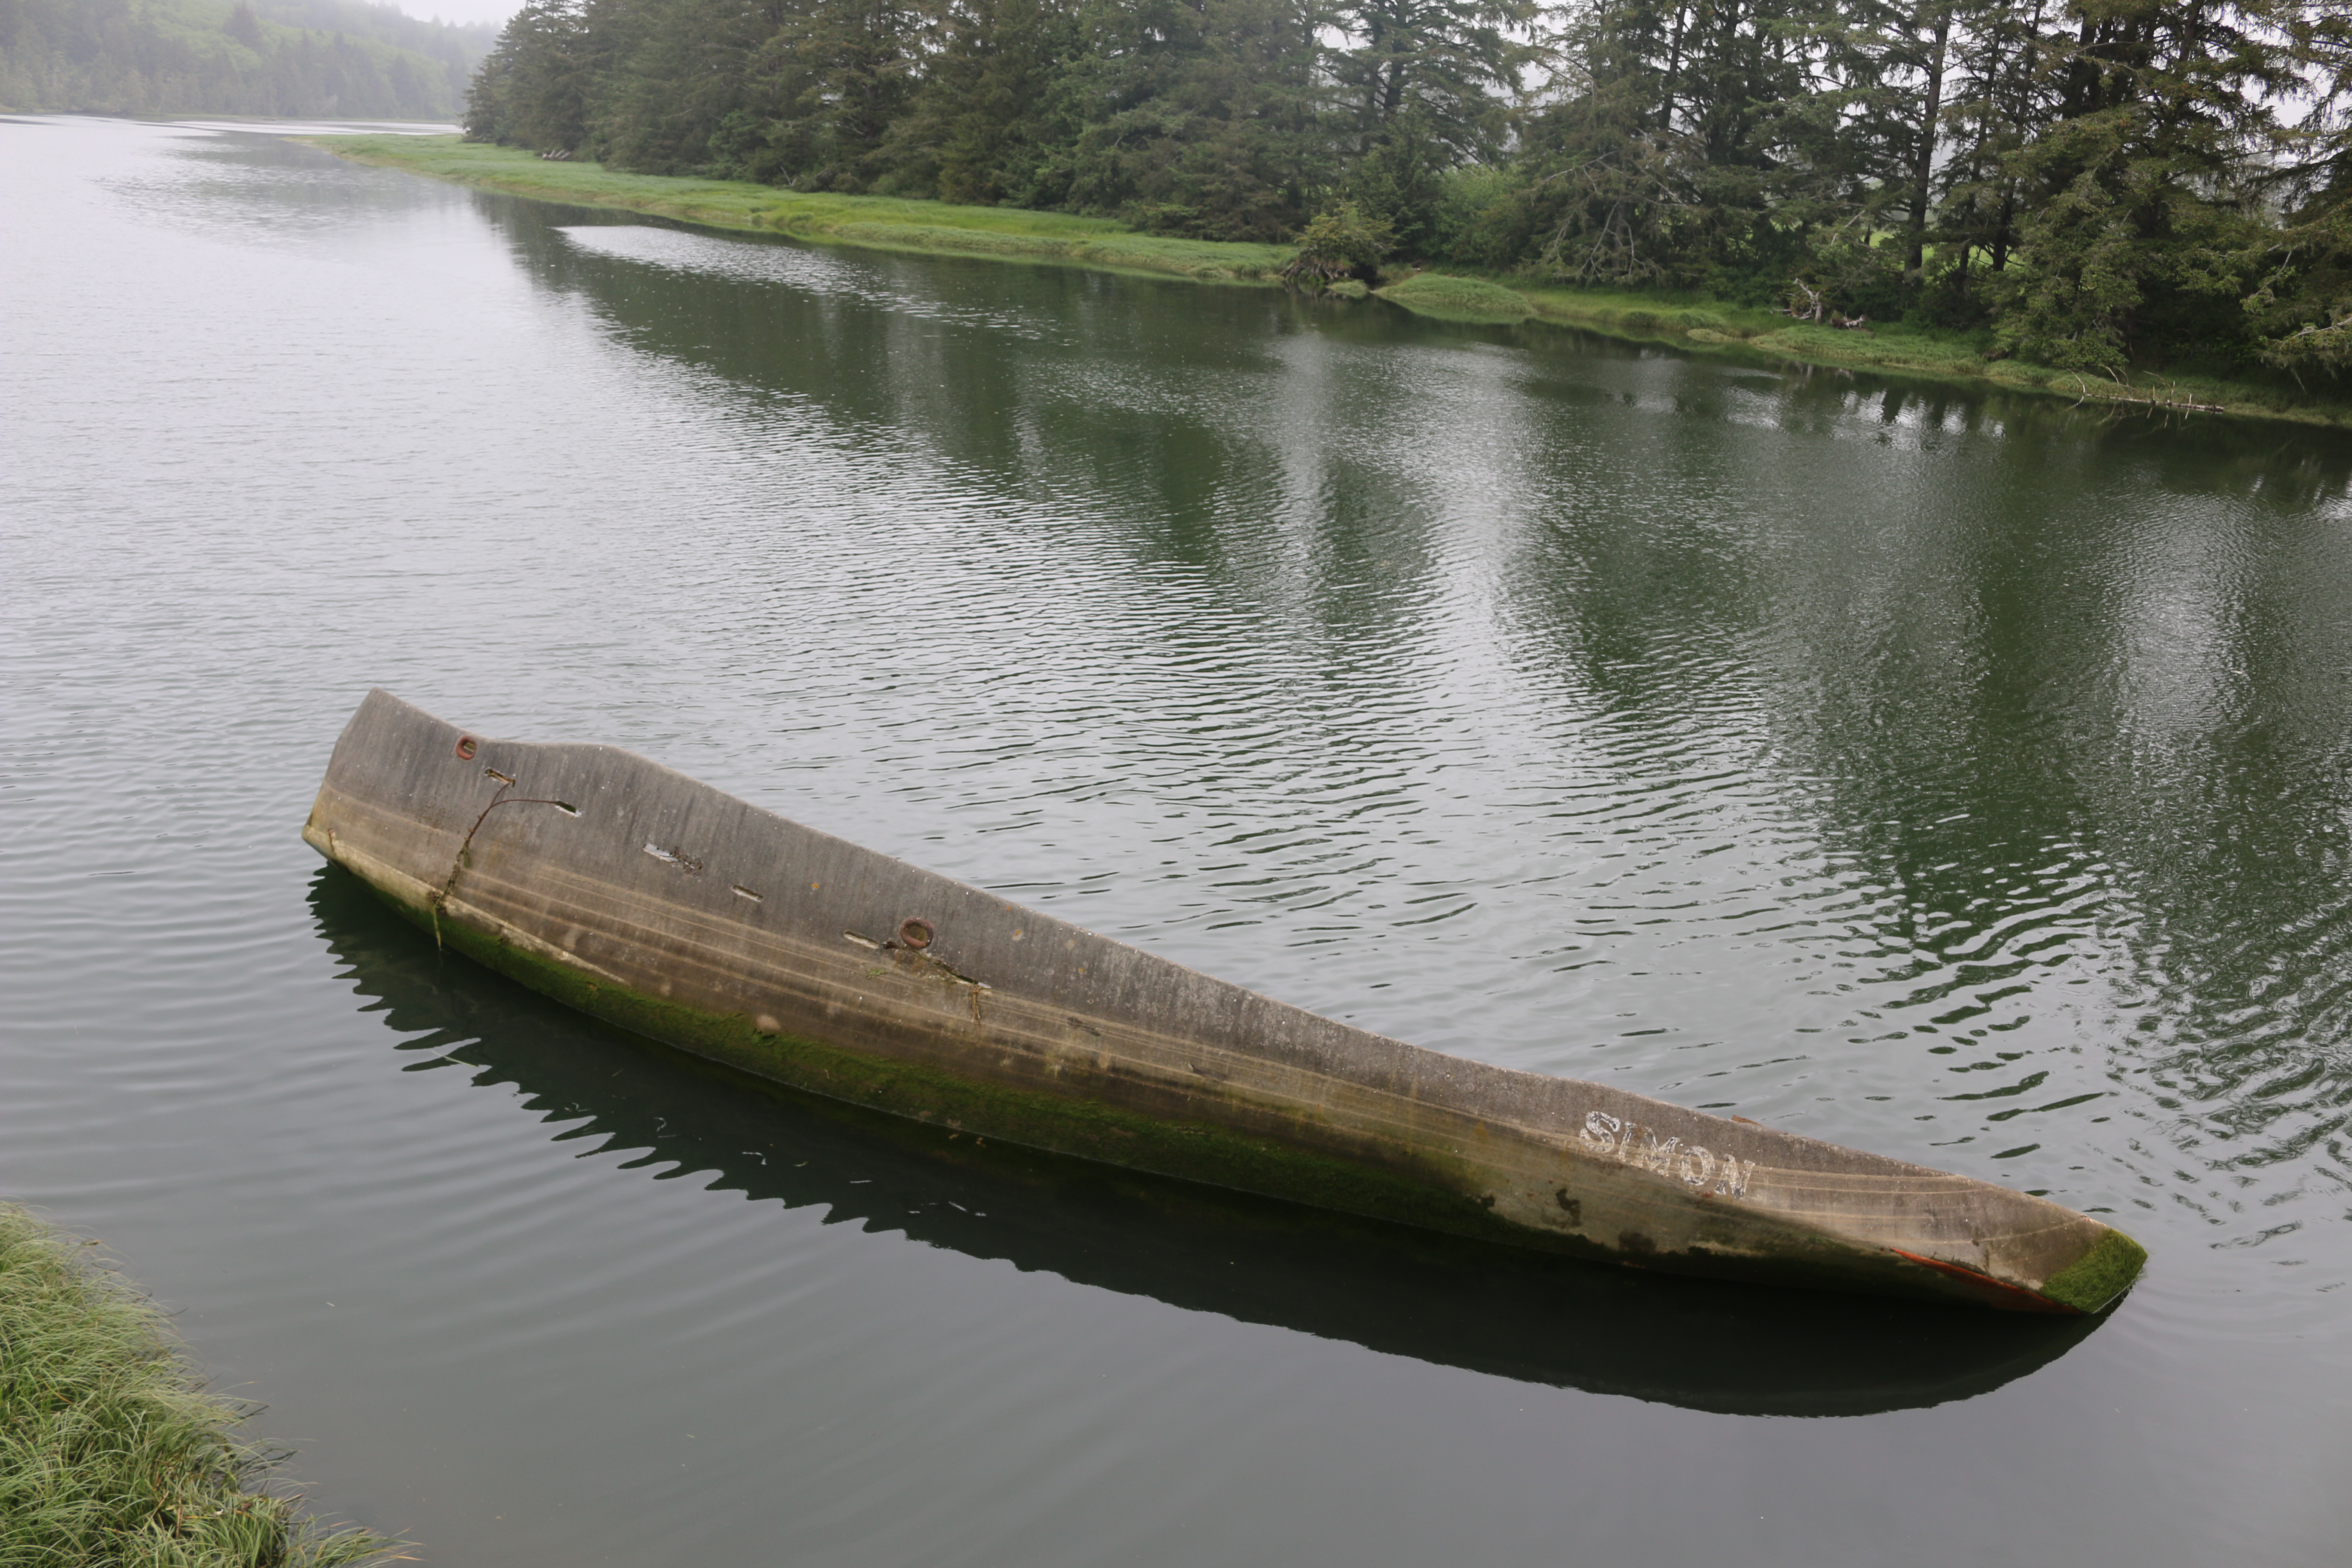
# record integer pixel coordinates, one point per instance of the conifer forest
(2097, 183)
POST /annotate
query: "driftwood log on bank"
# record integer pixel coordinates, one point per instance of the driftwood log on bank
(640, 896)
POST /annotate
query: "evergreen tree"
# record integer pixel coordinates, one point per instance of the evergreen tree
(1424, 85)
(841, 72)
(2302, 309)
(2141, 208)
(981, 121)
(303, 57)
(245, 27)
(1676, 155)
(682, 80)
(534, 88)
(1196, 117)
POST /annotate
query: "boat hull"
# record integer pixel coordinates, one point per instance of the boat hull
(643, 897)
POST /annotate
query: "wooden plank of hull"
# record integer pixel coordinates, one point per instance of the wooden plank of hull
(639, 895)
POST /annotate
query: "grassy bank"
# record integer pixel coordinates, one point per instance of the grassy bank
(1695, 325)
(111, 1450)
(882, 223)
(1706, 325)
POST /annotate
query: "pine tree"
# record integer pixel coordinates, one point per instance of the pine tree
(535, 89)
(842, 72)
(980, 123)
(2140, 209)
(244, 27)
(682, 81)
(1195, 118)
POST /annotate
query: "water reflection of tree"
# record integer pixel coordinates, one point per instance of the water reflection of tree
(2041, 698)
(2077, 704)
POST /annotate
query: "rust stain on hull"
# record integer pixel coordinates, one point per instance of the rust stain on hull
(642, 896)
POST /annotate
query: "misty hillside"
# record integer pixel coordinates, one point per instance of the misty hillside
(301, 58)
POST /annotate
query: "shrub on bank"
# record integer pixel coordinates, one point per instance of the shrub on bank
(111, 1452)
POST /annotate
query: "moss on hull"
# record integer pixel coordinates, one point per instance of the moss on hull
(1405, 1190)
(2096, 1279)
(1402, 1191)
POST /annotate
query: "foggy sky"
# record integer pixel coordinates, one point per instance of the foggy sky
(460, 10)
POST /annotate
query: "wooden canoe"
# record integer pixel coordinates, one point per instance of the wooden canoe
(667, 907)
(1403, 1291)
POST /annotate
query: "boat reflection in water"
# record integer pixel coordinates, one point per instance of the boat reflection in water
(1699, 1343)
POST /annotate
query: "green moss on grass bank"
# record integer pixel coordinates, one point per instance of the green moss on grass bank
(1713, 326)
(1458, 299)
(882, 223)
(111, 1450)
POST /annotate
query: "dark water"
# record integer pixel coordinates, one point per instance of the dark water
(1968, 781)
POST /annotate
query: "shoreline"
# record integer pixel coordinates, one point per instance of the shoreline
(874, 223)
(1922, 354)
(115, 1449)
(1692, 326)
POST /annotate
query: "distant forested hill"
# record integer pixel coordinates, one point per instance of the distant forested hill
(305, 59)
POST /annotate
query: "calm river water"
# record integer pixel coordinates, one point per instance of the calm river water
(1968, 781)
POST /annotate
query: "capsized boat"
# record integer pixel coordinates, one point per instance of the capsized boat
(643, 897)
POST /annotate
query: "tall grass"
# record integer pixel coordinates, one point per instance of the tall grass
(112, 1453)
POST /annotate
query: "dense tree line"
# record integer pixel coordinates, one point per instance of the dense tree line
(2098, 183)
(304, 58)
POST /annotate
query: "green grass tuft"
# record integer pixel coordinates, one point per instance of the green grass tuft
(1458, 299)
(2093, 1281)
(111, 1452)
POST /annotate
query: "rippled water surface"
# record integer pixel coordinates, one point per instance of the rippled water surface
(1966, 781)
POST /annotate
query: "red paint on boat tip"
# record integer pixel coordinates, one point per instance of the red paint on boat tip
(2017, 1298)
